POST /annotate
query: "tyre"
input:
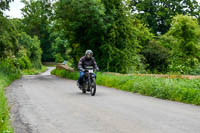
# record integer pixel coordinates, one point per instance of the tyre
(93, 87)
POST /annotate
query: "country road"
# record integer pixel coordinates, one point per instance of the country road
(49, 104)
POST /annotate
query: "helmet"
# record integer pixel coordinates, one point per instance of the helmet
(88, 54)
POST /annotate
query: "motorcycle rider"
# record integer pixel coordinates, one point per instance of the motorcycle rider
(85, 61)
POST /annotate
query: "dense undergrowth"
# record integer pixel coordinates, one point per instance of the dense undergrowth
(8, 73)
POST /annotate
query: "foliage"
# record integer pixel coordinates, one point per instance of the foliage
(106, 27)
(17, 22)
(8, 38)
(158, 14)
(143, 37)
(8, 73)
(59, 44)
(183, 41)
(33, 50)
(59, 58)
(4, 5)
(16, 44)
(120, 45)
(7, 67)
(24, 63)
(156, 56)
(83, 24)
(143, 34)
(37, 19)
(182, 90)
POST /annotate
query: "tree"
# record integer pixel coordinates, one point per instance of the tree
(158, 14)
(83, 25)
(4, 5)
(156, 57)
(9, 45)
(59, 44)
(183, 40)
(120, 46)
(104, 26)
(18, 24)
(37, 20)
(32, 49)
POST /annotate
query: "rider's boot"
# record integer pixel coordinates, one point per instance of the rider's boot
(79, 85)
(88, 89)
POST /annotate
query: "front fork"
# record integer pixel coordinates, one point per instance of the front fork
(88, 82)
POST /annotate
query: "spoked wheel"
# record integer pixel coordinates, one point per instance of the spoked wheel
(93, 87)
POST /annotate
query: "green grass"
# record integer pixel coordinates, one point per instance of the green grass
(33, 71)
(8, 73)
(50, 65)
(5, 80)
(181, 90)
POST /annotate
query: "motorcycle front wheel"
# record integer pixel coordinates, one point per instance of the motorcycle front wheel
(93, 87)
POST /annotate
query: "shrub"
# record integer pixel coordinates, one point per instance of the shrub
(156, 57)
(7, 67)
(24, 62)
(183, 41)
(33, 50)
(59, 58)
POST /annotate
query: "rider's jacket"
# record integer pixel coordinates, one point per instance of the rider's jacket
(84, 62)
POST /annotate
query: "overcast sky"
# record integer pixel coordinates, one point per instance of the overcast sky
(15, 7)
(15, 11)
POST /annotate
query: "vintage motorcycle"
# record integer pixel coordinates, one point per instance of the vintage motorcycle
(89, 81)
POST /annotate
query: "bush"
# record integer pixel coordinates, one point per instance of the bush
(24, 63)
(183, 41)
(33, 50)
(8, 67)
(157, 57)
(59, 58)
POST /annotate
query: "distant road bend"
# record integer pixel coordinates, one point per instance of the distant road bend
(48, 104)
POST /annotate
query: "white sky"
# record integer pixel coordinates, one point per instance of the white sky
(15, 7)
(15, 11)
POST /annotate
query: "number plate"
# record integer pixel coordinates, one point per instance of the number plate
(90, 71)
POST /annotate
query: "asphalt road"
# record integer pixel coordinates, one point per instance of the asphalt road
(49, 104)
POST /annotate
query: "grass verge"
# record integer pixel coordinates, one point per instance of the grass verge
(33, 71)
(5, 80)
(175, 89)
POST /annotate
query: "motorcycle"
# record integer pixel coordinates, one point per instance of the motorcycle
(89, 81)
